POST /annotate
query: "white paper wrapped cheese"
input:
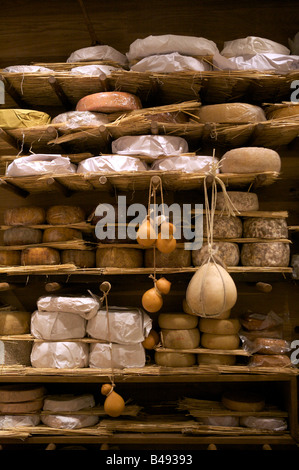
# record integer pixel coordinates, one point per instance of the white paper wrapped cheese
(118, 356)
(38, 164)
(111, 163)
(27, 69)
(261, 62)
(68, 402)
(73, 119)
(95, 53)
(84, 306)
(168, 63)
(53, 326)
(252, 45)
(167, 43)
(15, 421)
(153, 146)
(185, 163)
(93, 70)
(69, 422)
(59, 355)
(125, 325)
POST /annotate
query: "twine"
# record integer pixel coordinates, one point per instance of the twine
(105, 288)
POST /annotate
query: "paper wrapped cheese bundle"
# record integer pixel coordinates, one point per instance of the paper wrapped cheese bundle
(230, 421)
(18, 118)
(69, 422)
(228, 253)
(167, 63)
(252, 45)
(269, 424)
(152, 146)
(68, 402)
(184, 163)
(94, 70)
(59, 355)
(123, 326)
(111, 163)
(281, 63)
(15, 421)
(109, 102)
(117, 356)
(250, 160)
(85, 306)
(38, 164)
(74, 119)
(27, 69)
(97, 53)
(53, 326)
(231, 113)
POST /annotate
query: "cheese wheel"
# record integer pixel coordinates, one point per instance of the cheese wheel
(269, 424)
(179, 258)
(175, 359)
(30, 215)
(109, 102)
(75, 421)
(61, 234)
(284, 111)
(10, 258)
(272, 254)
(250, 160)
(68, 402)
(80, 258)
(227, 252)
(180, 339)
(260, 227)
(225, 227)
(267, 360)
(243, 401)
(177, 321)
(64, 215)
(215, 326)
(21, 393)
(22, 236)
(225, 342)
(22, 407)
(242, 201)
(15, 352)
(14, 323)
(40, 256)
(113, 257)
(231, 112)
(270, 346)
(217, 359)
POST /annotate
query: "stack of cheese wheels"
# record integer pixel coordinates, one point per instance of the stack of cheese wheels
(179, 258)
(231, 113)
(21, 399)
(58, 405)
(109, 102)
(179, 331)
(219, 334)
(271, 253)
(250, 160)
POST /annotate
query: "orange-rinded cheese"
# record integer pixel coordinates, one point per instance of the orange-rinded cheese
(109, 102)
(80, 258)
(229, 326)
(177, 321)
(61, 234)
(22, 236)
(30, 215)
(114, 257)
(14, 323)
(10, 258)
(64, 215)
(180, 339)
(40, 256)
(175, 359)
(243, 401)
(225, 342)
(21, 393)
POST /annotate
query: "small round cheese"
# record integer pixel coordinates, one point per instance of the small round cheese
(250, 160)
(231, 112)
(217, 359)
(241, 200)
(215, 326)
(177, 321)
(225, 342)
(225, 227)
(30, 215)
(40, 256)
(180, 339)
(10, 258)
(22, 236)
(260, 227)
(114, 257)
(80, 258)
(271, 254)
(175, 359)
(109, 102)
(243, 401)
(179, 258)
(64, 215)
(227, 252)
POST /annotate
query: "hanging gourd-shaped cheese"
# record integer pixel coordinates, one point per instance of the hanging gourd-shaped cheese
(151, 340)
(211, 290)
(114, 404)
(146, 234)
(166, 243)
(152, 300)
(163, 285)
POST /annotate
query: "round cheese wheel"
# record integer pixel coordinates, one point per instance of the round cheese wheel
(225, 342)
(179, 258)
(21, 393)
(80, 258)
(30, 215)
(227, 252)
(68, 402)
(22, 407)
(64, 215)
(40, 256)
(267, 360)
(242, 201)
(217, 359)
(113, 257)
(243, 401)
(231, 112)
(265, 254)
(70, 422)
(10, 258)
(225, 227)
(175, 359)
(180, 339)
(14, 323)
(22, 236)
(61, 234)
(269, 424)
(283, 111)
(270, 346)
(109, 102)
(217, 326)
(250, 160)
(259, 227)
(15, 352)
(177, 321)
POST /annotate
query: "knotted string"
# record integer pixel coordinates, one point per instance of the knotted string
(105, 288)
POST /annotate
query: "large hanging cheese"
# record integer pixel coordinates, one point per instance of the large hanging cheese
(109, 102)
(114, 257)
(65, 215)
(14, 323)
(22, 236)
(241, 200)
(260, 227)
(229, 326)
(231, 112)
(225, 342)
(180, 339)
(61, 234)
(272, 254)
(177, 321)
(80, 258)
(30, 215)
(21, 392)
(175, 359)
(217, 359)
(179, 258)
(224, 227)
(243, 401)
(250, 160)
(227, 252)
(211, 290)
(40, 256)
(10, 258)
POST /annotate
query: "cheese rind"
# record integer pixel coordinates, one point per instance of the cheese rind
(243, 401)
(175, 359)
(16, 236)
(227, 252)
(178, 258)
(180, 339)
(250, 160)
(215, 326)
(225, 342)
(40, 256)
(64, 215)
(217, 359)
(231, 112)
(259, 227)
(225, 227)
(268, 254)
(14, 323)
(177, 321)
(20, 393)
(241, 200)
(28, 215)
(10, 258)
(80, 258)
(114, 257)
(109, 102)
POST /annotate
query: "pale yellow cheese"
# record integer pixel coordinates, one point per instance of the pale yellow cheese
(177, 321)
(175, 359)
(217, 359)
(217, 326)
(225, 342)
(180, 339)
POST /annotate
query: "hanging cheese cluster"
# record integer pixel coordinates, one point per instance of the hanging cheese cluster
(163, 239)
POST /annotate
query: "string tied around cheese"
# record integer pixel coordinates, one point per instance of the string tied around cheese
(105, 288)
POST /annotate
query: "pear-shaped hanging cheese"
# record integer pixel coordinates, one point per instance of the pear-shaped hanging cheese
(146, 234)
(114, 404)
(211, 291)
